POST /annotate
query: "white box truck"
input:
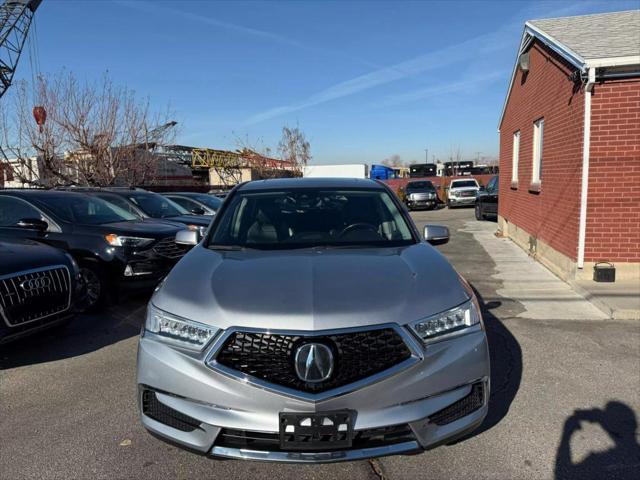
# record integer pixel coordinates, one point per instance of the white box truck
(352, 170)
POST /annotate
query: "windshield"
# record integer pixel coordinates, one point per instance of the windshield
(420, 186)
(157, 206)
(302, 218)
(86, 210)
(463, 184)
(209, 200)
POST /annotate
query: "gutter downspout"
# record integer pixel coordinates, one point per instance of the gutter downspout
(582, 228)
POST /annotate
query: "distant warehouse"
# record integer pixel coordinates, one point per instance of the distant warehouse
(570, 144)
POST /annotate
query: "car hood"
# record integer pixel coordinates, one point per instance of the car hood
(201, 220)
(311, 289)
(144, 228)
(19, 255)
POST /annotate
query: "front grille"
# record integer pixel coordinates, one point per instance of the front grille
(370, 438)
(270, 357)
(159, 412)
(463, 407)
(29, 296)
(168, 248)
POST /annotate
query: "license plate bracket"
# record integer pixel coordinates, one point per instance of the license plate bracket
(316, 431)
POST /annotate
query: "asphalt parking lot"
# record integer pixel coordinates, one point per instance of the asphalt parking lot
(565, 396)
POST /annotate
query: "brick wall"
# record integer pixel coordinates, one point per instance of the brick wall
(613, 206)
(552, 213)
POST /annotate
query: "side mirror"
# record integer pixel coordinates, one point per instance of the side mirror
(33, 224)
(436, 234)
(198, 211)
(187, 237)
(483, 188)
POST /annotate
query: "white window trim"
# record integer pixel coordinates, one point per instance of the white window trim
(515, 158)
(538, 142)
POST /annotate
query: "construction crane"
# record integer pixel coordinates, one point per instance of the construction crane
(15, 20)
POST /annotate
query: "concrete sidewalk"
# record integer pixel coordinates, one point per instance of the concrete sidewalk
(619, 300)
(543, 295)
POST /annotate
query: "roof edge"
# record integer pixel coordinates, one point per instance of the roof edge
(530, 32)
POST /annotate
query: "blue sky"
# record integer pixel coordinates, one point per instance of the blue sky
(363, 80)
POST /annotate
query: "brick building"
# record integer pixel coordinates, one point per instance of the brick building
(570, 144)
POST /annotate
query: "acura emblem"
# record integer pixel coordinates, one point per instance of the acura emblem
(35, 283)
(313, 362)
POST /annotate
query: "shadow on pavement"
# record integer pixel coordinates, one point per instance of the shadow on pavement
(86, 333)
(620, 423)
(506, 366)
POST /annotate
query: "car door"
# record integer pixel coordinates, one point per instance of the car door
(14, 210)
(490, 200)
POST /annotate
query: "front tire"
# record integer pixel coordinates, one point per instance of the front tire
(96, 285)
(479, 214)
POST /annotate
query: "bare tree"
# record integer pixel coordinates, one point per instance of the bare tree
(393, 161)
(294, 148)
(94, 134)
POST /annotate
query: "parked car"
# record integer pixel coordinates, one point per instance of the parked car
(487, 200)
(113, 248)
(420, 194)
(196, 203)
(462, 192)
(313, 324)
(144, 204)
(219, 193)
(39, 288)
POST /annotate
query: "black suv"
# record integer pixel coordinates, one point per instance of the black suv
(420, 194)
(113, 247)
(39, 287)
(487, 200)
(145, 204)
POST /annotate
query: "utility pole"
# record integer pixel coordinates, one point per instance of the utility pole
(426, 156)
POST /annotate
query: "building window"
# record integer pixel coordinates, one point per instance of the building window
(514, 159)
(538, 134)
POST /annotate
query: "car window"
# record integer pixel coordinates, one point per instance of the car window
(302, 218)
(12, 210)
(185, 203)
(463, 183)
(491, 186)
(120, 203)
(209, 200)
(157, 206)
(86, 210)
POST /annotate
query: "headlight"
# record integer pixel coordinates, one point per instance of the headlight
(178, 330)
(450, 323)
(124, 241)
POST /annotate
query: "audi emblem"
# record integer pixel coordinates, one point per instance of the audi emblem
(35, 284)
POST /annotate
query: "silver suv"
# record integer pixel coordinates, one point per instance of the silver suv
(312, 324)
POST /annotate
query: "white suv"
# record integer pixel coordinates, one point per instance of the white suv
(462, 192)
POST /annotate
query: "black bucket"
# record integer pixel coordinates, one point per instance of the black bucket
(604, 272)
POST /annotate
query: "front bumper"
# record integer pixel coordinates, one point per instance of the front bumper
(216, 403)
(428, 203)
(462, 200)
